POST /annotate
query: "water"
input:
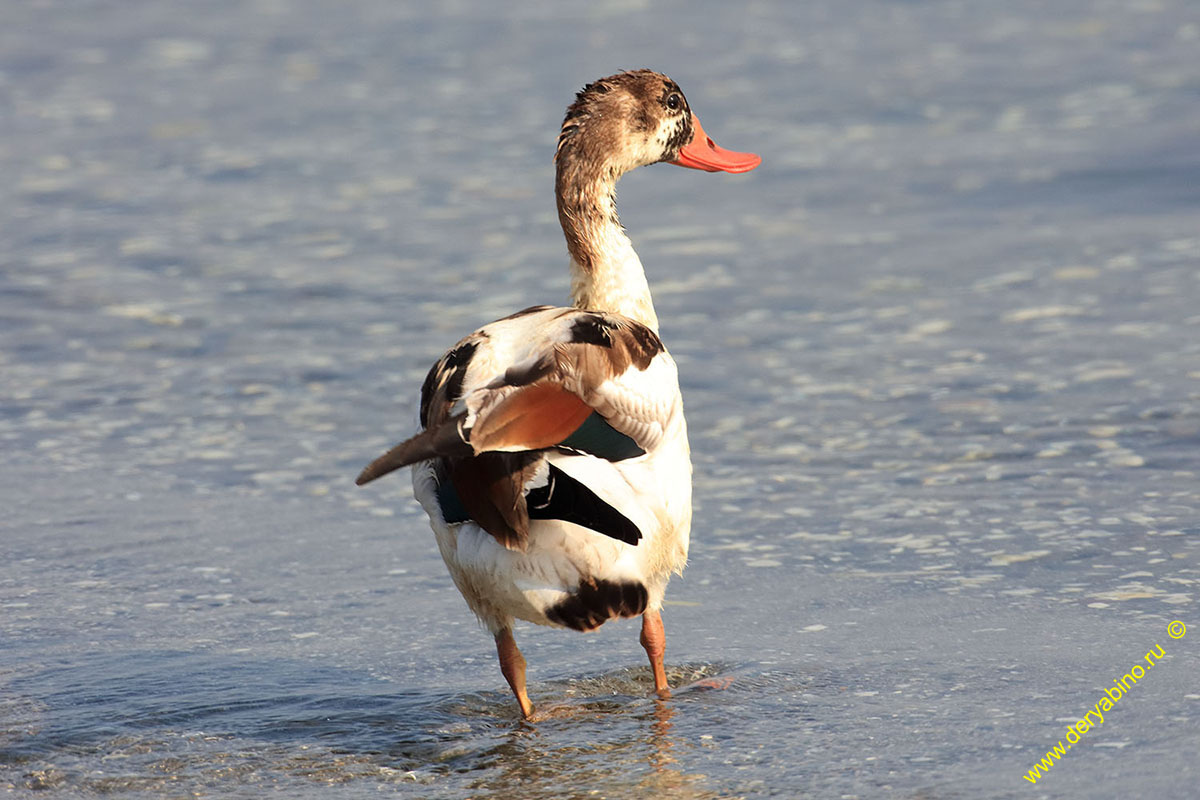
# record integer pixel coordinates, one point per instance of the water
(940, 355)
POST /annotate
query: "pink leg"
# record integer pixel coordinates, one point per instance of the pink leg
(655, 642)
(512, 664)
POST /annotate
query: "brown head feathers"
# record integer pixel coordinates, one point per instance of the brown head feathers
(624, 121)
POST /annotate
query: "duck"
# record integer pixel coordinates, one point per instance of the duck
(552, 457)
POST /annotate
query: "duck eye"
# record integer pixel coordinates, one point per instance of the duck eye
(674, 102)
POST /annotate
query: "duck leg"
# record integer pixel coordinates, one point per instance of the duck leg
(655, 642)
(512, 664)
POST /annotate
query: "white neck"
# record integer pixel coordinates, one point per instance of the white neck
(615, 280)
(606, 274)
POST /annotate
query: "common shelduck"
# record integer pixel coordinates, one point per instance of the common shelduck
(553, 459)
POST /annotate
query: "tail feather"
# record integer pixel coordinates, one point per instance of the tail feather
(446, 440)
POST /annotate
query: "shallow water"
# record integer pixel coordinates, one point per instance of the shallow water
(940, 355)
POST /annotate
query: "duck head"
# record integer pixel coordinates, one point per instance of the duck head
(637, 118)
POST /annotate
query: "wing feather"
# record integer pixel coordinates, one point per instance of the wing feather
(531, 418)
(517, 388)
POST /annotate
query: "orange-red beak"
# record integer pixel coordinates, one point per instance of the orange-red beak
(703, 153)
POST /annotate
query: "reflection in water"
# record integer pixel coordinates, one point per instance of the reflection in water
(661, 752)
(617, 747)
(157, 720)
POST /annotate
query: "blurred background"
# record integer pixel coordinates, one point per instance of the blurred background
(940, 355)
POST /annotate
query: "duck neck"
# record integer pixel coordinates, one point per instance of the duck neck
(606, 274)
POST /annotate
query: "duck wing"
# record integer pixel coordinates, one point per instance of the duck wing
(543, 380)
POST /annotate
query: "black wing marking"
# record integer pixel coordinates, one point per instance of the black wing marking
(447, 375)
(562, 497)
